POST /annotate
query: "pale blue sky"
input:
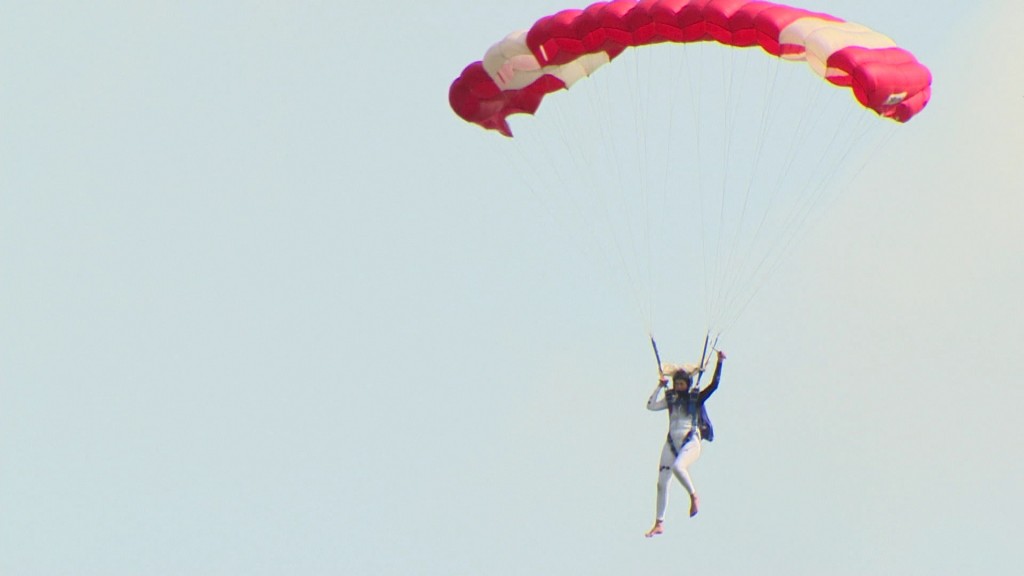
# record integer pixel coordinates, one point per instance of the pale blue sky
(268, 307)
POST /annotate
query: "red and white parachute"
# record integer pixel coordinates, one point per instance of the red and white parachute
(559, 50)
(701, 167)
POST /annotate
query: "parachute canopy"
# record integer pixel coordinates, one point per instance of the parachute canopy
(558, 50)
(693, 170)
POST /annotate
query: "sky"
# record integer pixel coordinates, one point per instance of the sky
(267, 306)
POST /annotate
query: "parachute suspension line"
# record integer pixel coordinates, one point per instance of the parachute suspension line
(623, 186)
(578, 165)
(857, 134)
(866, 124)
(756, 278)
(603, 104)
(728, 243)
(518, 157)
(737, 174)
(799, 135)
(812, 190)
(881, 142)
(605, 154)
(642, 111)
(729, 290)
(582, 180)
(728, 236)
(528, 138)
(794, 229)
(778, 247)
(772, 193)
(676, 76)
(660, 183)
(579, 151)
(767, 111)
(695, 88)
(681, 84)
(728, 71)
(638, 187)
(824, 169)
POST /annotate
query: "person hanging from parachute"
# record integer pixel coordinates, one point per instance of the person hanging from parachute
(520, 71)
(688, 425)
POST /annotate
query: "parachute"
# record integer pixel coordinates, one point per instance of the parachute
(733, 135)
(559, 50)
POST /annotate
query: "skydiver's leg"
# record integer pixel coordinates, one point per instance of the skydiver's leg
(688, 454)
(664, 474)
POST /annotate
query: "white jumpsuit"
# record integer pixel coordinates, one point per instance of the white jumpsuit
(682, 447)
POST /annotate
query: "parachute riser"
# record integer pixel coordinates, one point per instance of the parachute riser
(703, 356)
(657, 356)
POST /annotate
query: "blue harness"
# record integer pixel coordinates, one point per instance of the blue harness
(697, 413)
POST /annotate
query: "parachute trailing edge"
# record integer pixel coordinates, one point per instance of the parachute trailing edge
(518, 72)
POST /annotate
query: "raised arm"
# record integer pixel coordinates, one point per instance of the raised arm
(653, 403)
(707, 392)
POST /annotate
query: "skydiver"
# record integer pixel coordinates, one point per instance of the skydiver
(688, 423)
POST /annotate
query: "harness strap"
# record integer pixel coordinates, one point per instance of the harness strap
(687, 438)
